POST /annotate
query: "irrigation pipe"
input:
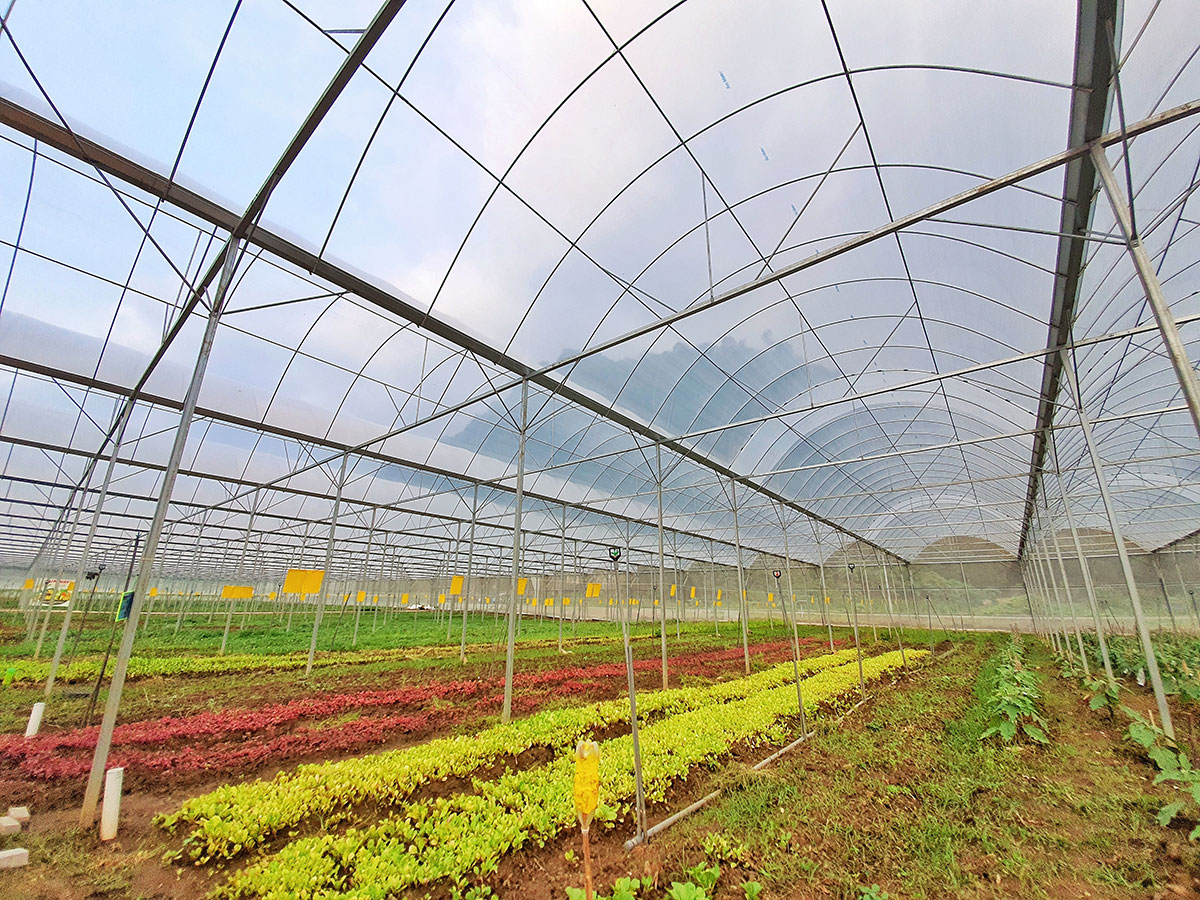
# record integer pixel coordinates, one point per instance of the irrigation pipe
(709, 798)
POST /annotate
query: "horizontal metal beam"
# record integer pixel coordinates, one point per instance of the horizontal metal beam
(113, 163)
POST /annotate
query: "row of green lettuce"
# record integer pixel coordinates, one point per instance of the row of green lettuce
(236, 818)
(460, 839)
(85, 670)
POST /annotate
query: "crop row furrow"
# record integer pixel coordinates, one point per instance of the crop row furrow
(234, 818)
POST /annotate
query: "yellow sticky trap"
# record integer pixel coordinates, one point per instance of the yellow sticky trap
(587, 781)
(456, 584)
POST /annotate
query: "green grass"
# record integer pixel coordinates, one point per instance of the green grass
(914, 801)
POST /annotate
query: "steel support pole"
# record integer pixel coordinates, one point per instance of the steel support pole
(826, 617)
(862, 685)
(1150, 285)
(887, 593)
(743, 608)
(787, 568)
(469, 585)
(639, 791)
(1059, 604)
(1053, 599)
(104, 741)
(966, 589)
(1162, 583)
(1084, 568)
(1062, 568)
(506, 713)
(81, 569)
(241, 569)
(662, 580)
(324, 592)
(1160, 697)
(562, 578)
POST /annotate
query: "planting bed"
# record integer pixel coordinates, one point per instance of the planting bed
(392, 777)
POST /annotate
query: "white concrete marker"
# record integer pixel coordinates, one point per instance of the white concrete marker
(111, 810)
(9, 825)
(20, 813)
(14, 859)
(35, 719)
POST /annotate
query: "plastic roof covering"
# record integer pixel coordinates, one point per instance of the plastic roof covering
(544, 177)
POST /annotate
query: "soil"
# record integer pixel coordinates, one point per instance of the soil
(1077, 818)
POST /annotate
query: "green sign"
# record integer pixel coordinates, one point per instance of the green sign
(126, 605)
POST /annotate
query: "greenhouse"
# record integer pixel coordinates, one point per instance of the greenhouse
(571, 448)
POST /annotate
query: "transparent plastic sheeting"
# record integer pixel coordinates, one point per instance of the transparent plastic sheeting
(542, 178)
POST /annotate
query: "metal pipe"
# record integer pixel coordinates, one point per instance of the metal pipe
(662, 593)
(1160, 697)
(112, 705)
(1084, 568)
(323, 594)
(743, 609)
(470, 584)
(506, 713)
(1150, 285)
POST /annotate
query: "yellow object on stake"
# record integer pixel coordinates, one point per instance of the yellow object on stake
(587, 798)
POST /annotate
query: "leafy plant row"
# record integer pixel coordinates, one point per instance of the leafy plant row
(236, 722)
(1012, 705)
(234, 818)
(244, 752)
(86, 669)
(463, 836)
(83, 670)
(1178, 660)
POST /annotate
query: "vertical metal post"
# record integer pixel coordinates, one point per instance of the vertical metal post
(1058, 601)
(241, 568)
(1162, 583)
(562, 578)
(81, 569)
(662, 586)
(966, 589)
(742, 606)
(112, 705)
(323, 594)
(1039, 575)
(824, 598)
(470, 583)
(787, 568)
(1085, 425)
(506, 714)
(887, 593)
(1062, 568)
(1084, 568)
(1151, 286)
(639, 791)
(862, 685)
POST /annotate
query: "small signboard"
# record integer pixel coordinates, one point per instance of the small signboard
(125, 607)
(776, 573)
(614, 553)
